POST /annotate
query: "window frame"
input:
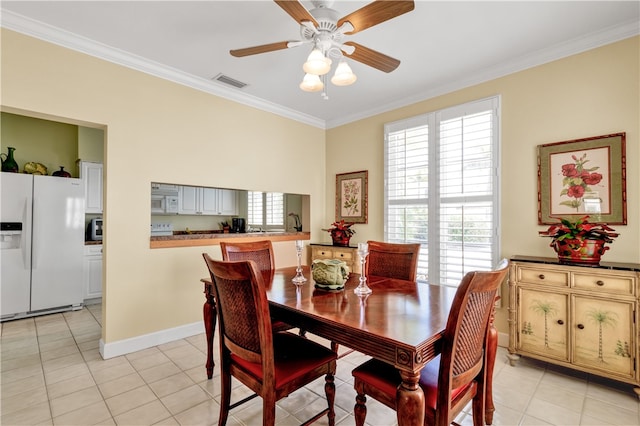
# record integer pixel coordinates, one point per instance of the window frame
(429, 254)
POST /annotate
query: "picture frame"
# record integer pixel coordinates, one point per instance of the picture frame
(352, 196)
(583, 177)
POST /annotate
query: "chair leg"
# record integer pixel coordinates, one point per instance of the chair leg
(225, 395)
(268, 411)
(330, 391)
(360, 409)
(478, 409)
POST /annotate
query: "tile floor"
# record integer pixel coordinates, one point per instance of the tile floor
(52, 373)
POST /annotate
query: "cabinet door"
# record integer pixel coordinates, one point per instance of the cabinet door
(227, 202)
(542, 323)
(208, 201)
(604, 335)
(188, 200)
(92, 272)
(91, 174)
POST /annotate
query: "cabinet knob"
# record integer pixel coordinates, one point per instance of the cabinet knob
(541, 276)
(580, 326)
(560, 322)
(341, 254)
(600, 283)
(322, 253)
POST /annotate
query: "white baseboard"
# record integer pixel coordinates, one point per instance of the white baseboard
(126, 346)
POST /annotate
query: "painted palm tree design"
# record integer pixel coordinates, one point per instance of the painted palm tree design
(602, 319)
(546, 309)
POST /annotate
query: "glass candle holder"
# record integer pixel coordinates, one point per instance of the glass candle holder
(299, 278)
(363, 288)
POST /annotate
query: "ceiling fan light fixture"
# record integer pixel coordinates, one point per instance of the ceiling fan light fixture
(343, 75)
(317, 63)
(311, 83)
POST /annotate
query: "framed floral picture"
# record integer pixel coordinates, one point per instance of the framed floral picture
(583, 177)
(351, 197)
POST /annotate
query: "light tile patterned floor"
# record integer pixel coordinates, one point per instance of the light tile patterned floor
(52, 373)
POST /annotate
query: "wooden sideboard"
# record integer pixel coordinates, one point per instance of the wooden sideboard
(347, 254)
(580, 317)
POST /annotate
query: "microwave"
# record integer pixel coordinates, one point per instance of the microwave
(94, 233)
(164, 204)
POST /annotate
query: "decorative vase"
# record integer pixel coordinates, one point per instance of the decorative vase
(340, 238)
(579, 252)
(61, 173)
(9, 163)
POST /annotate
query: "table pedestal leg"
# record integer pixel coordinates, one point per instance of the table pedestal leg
(209, 314)
(410, 400)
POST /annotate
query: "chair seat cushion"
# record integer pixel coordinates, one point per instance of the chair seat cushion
(294, 356)
(386, 379)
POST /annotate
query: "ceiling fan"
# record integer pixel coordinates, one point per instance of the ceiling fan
(323, 28)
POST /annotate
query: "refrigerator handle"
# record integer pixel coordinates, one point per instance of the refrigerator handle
(34, 233)
(23, 237)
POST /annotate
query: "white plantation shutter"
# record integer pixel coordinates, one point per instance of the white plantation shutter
(441, 189)
(265, 209)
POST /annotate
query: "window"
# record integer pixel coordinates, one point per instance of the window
(265, 209)
(441, 189)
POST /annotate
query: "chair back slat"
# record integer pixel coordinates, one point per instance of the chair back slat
(466, 331)
(243, 312)
(393, 260)
(260, 252)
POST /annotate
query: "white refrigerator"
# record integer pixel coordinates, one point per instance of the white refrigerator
(41, 244)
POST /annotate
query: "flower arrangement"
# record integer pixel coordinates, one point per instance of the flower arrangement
(298, 223)
(581, 229)
(579, 241)
(577, 179)
(341, 232)
(342, 227)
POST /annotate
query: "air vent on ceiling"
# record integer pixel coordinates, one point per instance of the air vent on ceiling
(230, 81)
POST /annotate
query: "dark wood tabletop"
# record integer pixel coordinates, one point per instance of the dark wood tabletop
(400, 322)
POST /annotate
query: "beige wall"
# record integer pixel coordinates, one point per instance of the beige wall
(159, 131)
(164, 132)
(590, 94)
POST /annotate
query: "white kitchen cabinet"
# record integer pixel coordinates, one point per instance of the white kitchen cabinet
(92, 271)
(207, 201)
(91, 175)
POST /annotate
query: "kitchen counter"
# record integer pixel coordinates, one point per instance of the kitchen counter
(204, 238)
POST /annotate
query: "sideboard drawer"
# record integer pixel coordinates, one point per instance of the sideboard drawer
(544, 276)
(605, 283)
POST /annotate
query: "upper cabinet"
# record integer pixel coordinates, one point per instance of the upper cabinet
(91, 174)
(207, 201)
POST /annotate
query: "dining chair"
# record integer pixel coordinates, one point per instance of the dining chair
(260, 252)
(455, 376)
(272, 364)
(393, 260)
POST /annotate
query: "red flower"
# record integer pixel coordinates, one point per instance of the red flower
(592, 179)
(576, 191)
(569, 170)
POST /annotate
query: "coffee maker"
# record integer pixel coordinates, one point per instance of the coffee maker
(238, 225)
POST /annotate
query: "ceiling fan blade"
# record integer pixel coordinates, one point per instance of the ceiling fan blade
(254, 50)
(297, 11)
(375, 13)
(371, 57)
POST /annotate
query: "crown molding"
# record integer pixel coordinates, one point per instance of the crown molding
(543, 56)
(54, 35)
(90, 47)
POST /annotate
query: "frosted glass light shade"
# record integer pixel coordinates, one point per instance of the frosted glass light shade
(311, 83)
(316, 63)
(343, 75)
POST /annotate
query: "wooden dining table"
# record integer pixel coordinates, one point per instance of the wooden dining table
(400, 323)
